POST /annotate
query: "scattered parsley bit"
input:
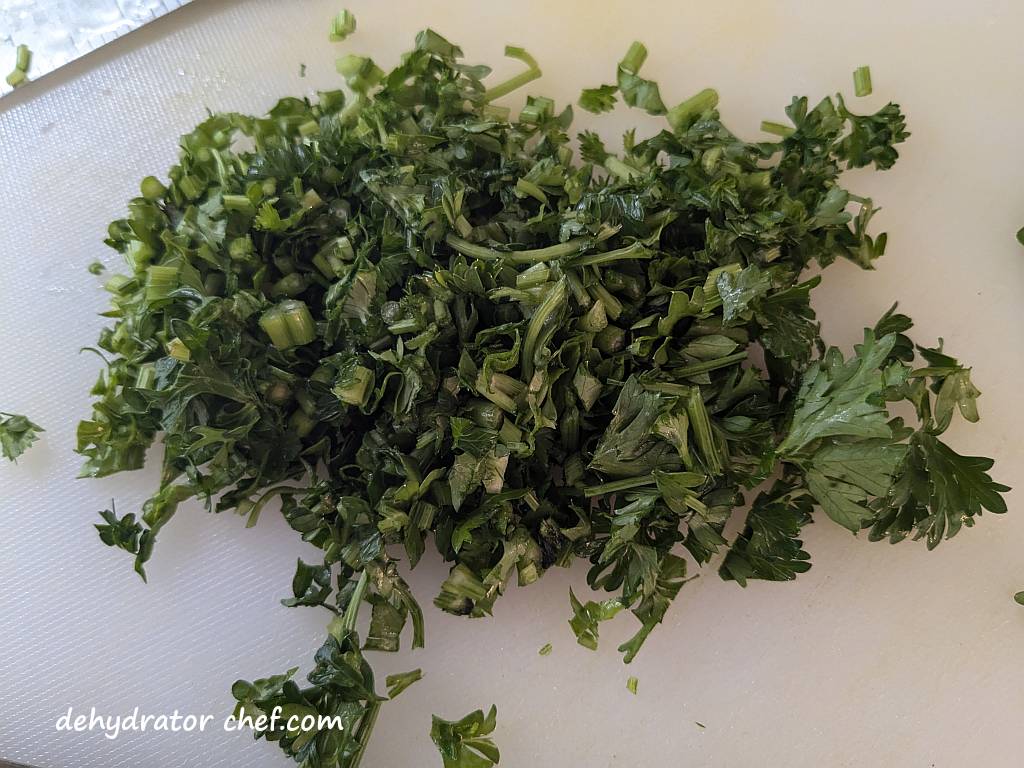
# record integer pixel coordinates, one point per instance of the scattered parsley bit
(342, 25)
(414, 317)
(545, 649)
(17, 433)
(597, 100)
(23, 60)
(466, 743)
(96, 268)
(862, 81)
(302, 70)
(699, 725)
(631, 685)
(399, 682)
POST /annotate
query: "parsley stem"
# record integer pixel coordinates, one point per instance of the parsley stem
(352, 609)
(288, 324)
(634, 58)
(160, 281)
(519, 257)
(366, 724)
(703, 432)
(516, 81)
(24, 58)
(681, 116)
(634, 251)
(777, 129)
(253, 510)
(543, 325)
(707, 365)
(369, 718)
(343, 25)
(506, 87)
(618, 485)
(862, 81)
(550, 253)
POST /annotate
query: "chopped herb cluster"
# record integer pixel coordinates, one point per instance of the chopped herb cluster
(421, 320)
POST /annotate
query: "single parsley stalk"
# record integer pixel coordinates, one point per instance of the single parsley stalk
(536, 255)
(372, 710)
(515, 82)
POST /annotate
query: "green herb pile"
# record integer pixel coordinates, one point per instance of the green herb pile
(423, 321)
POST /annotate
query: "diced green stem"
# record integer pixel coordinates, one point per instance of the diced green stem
(612, 306)
(342, 25)
(542, 325)
(777, 129)
(234, 203)
(536, 275)
(682, 115)
(634, 58)
(24, 58)
(289, 324)
(496, 396)
(702, 431)
(862, 81)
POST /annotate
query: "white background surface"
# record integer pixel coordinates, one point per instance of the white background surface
(879, 656)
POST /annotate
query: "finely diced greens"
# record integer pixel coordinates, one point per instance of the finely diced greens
(420, 321)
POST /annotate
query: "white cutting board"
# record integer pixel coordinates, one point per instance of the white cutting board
(879, 656)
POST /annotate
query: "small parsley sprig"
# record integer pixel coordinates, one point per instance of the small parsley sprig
(17, 433)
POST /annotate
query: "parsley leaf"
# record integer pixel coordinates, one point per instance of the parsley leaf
(768, 547)
(17, 433)
(936, 492)
(600, 99)
(467, 742)
(839, 398)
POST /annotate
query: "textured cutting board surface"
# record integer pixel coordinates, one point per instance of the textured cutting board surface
(59, 31)
(879, 656)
